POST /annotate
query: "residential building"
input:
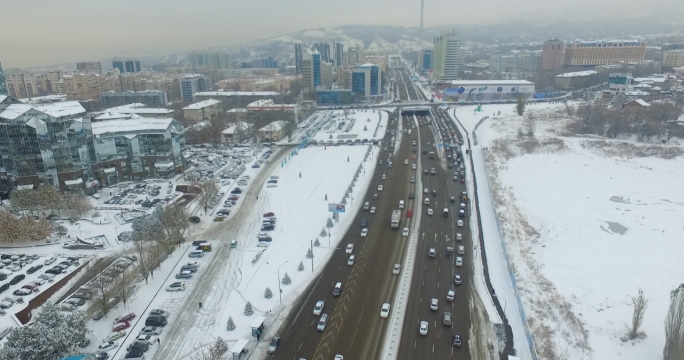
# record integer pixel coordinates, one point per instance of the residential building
(272, 132)
(619, 83)
(514, 62)
(211, 59)
(92, 66)
(86, 86)
(3, 85)
(126, 65)
(148, 97)
(306, 69)
(22, 86)
(41, 100)
(236, 133)
(270, 105)
(338, 96)
(573, 80)
(354, 55)
(191, 84)
(45, 144)
(326, 76)
(367, 80)
(138, 148)
(488, 90)
(125, 112)
(447, 57)
(202, 110)
(236, 99)
(425, 59)
(339, 54)
(552, 54)
(601, 52)
(674, 58)
(637, 104)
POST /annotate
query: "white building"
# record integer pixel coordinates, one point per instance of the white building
(447, 57)
(203, 110)
(127, 112)
(488, 90)
(273, 131)
(236, 133)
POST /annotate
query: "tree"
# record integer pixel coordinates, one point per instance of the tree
(520, 108)
(268, 293)
(103, 294)
(74, 206)
(301, 266)
(23, 229)
(640, 303)
(329, 223)
(286, 280)
(174, 221)
(317, 243)
(530, 124)
(143, 250)
(248, 309)
(212, 352)
(289, 127)
(674, 326)
(209, 189)
(123, 286)
(230, 326)
(309, 254)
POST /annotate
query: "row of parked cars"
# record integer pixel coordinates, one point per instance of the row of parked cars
(263, 159)
(155, 322)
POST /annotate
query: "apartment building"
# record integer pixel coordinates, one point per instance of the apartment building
(202, 110)
(601, 52)
(447, 57)
(149, 97)
(425, 59)
(515, 62)
(191, 84)
(272, 132)
(237, 133)
(552, 54)
(673, 58)
(92, 66)
(87, 86)
(3, 85)
(23, 85)
(209, 58)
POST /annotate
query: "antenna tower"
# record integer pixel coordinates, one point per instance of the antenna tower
(422, 4)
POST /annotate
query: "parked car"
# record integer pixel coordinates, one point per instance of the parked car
(194, 219)
(138, 345)
(135, 354)
(22, 292)
(15, 280)
(184, 274)
(159, 312)
(121, 326)
(157, 321)
(125, 318)
(152, 330)
(274, 344)
(107, 346)
(115, 336)
(34, 268)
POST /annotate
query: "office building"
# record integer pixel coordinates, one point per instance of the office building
(354, 55)
(367, 80)
(191, 84)
(211, 59)
(202, 110)
(94, 66)
(552, 54)
(306, 69)
(338, 96)
(673, 58)
(324, 50)
(326, 76)
(425, 59)
(447, 57)
(3, 85)
(126, 65)
(298, 57)
(514, 62)
(601, 52)
(49, 143)
(136, 149)
(316, 69)
(269, 63)
(339, 54)
(152, 98)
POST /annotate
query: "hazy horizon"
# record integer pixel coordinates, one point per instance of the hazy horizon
(72, 31)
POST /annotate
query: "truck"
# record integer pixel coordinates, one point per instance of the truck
(396, 216)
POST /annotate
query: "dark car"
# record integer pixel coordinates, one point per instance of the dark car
(138, 345)
(456, 340)
(198, 242)
(4, 287)
(224, 212)
(154, 320)
(194, 219)
(15, 280)
(267, 228)
(135, 354)
(411, 196)
(3, 277)
(364, 223)
(274, 344)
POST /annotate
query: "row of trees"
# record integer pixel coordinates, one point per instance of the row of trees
(23, 229)
(48, 199)
(210, 133)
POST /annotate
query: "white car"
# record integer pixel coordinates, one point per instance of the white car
(50, 260)
(318, 308)
(107, 346)
(177, 286)
(423, 328)
(351, 260)
(432, 252)
(396, 269)
(350, 248)
(406, 162)
(434, 304)
(372, 210)
(413, 166)
(459, 261)
(115, 336)
(426, 191)
(459, 237)
(384, 177)
(461, 250)
(405, 232)
(379, 187)
(451, 294)
(384, 310)
(430, 212)
(364, 232)
(459, 223)
(150, 330)
(338, 356)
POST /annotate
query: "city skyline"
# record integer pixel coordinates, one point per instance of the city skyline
(231, 24)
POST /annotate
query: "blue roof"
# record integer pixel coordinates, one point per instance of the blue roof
(79, 357)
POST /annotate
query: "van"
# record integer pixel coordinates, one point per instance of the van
(401, 204)
(366, 206)
(445, 213)
(196, 254)
(204, 246)
(322, 322)
(233, 244)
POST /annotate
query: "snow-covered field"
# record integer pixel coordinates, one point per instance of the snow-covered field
(587, 222)
(344, 126)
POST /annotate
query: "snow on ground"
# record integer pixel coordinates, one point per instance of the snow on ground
(582, 219)
(334, 126)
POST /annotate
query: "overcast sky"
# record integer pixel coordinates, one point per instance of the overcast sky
(44, 32)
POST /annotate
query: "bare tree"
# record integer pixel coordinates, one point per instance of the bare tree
(674, 326)
(23, 229)
(102, 294)
(520, 107)
(640, 303)
(530, 124)
(143, 251)
(124, 286)
(209, 189)
(214, 351)
(74, 206)
(174, 221)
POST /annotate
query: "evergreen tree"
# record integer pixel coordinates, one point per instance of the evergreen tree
(220, 345)
(231, 324)
(309, 254)
(301, 266)
(323, 232)
(329, 223)
(317, 243)
(286, 280)
(268, 293)
(248, 309)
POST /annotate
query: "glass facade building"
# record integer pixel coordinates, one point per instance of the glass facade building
(367, 80)
(335, 97)
(316, 68)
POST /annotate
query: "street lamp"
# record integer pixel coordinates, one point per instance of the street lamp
(280, 290)
(116, 229)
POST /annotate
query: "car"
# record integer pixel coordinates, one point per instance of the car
(177, 286)
(364, 223)
(6, 303)
(462, 181)
(349, 249)
(423, 330)
(459, 223)
(459, 261)
(15, 280)
(364, 232)
(457, 279)
(432, 252)
(194, 219)
(459, 237)
(125, 317)
(337, 357)
(405, 232)
(318, 308)
(384, 310)
(274, 344)
(121, 326)
(159, 312)
(372, 210)
(185, 274)
(191, 267)
(446, 319)
(456, 340)
(107, 346)
(151, 330)
(434, 304)
(379, 187)
(406, 162)
(322, 322)
(153, 320)
(138, 345)
(413, 166)
(434, 192)
(461, 250)
(97, 315)
(411, 196)
(49, 260)
(430, 212)
(351, 259)
(34, 268)
(384, 177)
(145, 339)
(22, 292)
(409, 213)
(115, 336)
(426, 191)
(135, 354)
(337, 290)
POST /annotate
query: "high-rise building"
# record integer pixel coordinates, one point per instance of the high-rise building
(339, 54)
(126, 65)
(22, 86)
(3, 86)
(447, 57)
(306, 69)
(425, 59)
(152, 98)
(354, 55)
(552, 54)
(191, 84)
(316, 69)
(602, 52)
(367, 80)
(514, 62)
(269, 63)
(323, 49)
(88, 86)
(93, 66)
(673, 58)
(211, 59)
(326, 76)
(298, 56)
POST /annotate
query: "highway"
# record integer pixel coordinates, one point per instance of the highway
(355, 329)
(433, 277)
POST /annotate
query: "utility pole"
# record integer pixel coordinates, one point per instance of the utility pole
(311, 255)
(422, 4)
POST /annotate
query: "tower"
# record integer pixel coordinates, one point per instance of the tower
(3, 88)
(422, 5)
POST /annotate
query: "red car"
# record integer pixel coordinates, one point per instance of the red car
(121, 326)
(269, 214)
(125, 318)
(409, 213)
(462, 181)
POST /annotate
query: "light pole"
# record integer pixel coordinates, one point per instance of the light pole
(280, 290)
(504, 305)
(116, 229)
(311, 248)
(328, 237)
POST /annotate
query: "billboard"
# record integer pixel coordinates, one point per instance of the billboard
(336, 208)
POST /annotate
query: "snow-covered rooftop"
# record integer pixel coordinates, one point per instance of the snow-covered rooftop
(14, 111)
(243, 125)
(274, 126)
(237, 93)
(202, 104)
(3, 97)
(64, 108)
(140, 124)
(115, 116)
(44, 99)
(138, 108)
(576, 74)
(636, 93)
(490, 82)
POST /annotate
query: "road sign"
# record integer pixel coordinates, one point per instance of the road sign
(336, 208)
